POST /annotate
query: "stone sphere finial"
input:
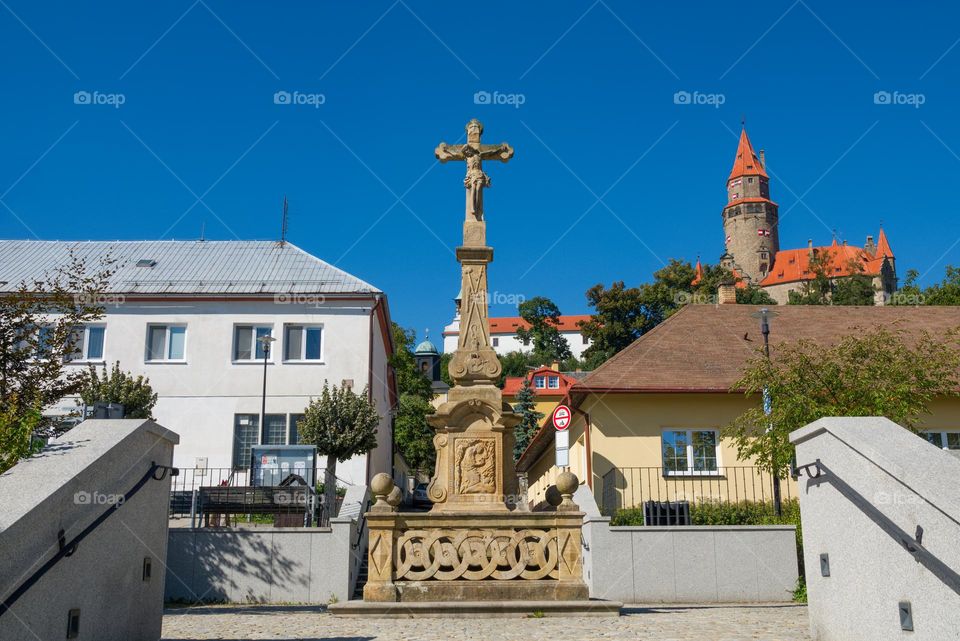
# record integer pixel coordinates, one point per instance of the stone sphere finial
(567, 483)
(381, 484)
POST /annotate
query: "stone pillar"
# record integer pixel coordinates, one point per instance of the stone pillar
(381, 520)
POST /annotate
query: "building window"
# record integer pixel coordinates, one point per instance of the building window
(88, 345)
(246, 428)
(294, 434)
(944, 440)
(690, 452)
(274, 429)
(586, 341)
(496, 342)
(553, 382)
(303, 343)
(166, 342)
(540, 382)
(247, 345)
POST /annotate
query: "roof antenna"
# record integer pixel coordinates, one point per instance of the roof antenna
(283, 223)
(743, 121)
(203, 226)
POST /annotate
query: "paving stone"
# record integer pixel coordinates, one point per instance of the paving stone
(640, 623)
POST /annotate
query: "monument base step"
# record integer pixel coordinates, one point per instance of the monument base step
(476, 609)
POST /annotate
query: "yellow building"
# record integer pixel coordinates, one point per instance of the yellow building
(647, 422)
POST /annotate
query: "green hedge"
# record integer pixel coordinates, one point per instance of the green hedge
(742, 513)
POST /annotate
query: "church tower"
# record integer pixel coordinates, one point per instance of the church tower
(750, 218)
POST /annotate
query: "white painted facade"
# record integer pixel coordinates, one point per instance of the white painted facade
(205, 385)
(504, 343)
(201, 395)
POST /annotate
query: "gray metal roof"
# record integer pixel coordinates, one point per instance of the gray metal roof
(184, 266)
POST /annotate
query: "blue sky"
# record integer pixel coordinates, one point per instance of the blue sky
(611, 176)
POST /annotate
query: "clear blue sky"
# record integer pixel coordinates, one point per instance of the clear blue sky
(598, 119)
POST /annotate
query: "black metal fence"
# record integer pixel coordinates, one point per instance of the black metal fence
(630, 487)
(225, 497)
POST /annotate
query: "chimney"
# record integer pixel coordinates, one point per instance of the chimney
(555, 366)
(727, 293)
(763, 159)
(810, 246)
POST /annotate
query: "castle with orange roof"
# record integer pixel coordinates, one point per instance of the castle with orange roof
(753, 254)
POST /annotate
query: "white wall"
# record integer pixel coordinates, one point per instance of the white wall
(199, 397)
(506, 343)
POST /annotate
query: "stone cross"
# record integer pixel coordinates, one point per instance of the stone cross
(473, 153)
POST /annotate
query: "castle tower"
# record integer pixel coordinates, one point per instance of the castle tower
(750, 218)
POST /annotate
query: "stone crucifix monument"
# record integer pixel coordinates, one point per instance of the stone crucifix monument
(474, 545)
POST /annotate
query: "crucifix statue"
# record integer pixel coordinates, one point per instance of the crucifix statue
(473, 153)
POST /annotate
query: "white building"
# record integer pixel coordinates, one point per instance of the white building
(503, 334)
(186, 315)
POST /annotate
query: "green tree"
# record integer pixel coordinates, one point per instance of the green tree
(621, 315)
(815, 291)
(946, 292)
(543, 316)
(855, 289)
(445, 368)
(341, 424)
(530, 418)
(754, 295)
(39, 324)
(877, 372)
(116, 386)
(412, 435)
(16, 434)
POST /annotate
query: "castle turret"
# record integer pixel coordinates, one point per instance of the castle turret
(750, 218)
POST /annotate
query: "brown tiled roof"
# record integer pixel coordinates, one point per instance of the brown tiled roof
(703, 348)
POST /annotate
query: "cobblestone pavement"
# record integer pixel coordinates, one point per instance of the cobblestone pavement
(640, 623)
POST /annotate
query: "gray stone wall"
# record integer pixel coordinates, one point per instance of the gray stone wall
(877, 483)
(67, 486)
(691, 564)
(259, 565)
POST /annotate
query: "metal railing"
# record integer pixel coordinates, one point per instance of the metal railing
(629, 487)
(186, 500)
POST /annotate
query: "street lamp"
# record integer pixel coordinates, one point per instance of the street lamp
(265, 342)
(765, 315)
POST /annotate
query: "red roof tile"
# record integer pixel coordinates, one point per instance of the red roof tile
(703, 348)
(509, 324)
(746, 163)
(793, 265)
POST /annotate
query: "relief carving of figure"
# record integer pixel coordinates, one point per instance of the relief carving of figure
(476, 467)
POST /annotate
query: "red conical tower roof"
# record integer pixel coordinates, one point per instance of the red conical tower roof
(746, 163)
(699, 277)
(883, 247)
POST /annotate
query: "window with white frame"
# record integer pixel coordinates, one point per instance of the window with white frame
(89, 343)
(540, 382)
(166, 342)
(248, 343)
(553, 382)
(690, 451)
(303, 343)
(944, 440)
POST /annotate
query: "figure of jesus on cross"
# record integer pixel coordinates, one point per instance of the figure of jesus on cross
(473, 153)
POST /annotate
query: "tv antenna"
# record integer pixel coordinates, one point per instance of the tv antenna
(283, 222)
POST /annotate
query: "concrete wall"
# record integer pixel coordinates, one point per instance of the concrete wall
(877, 483)
(67, 486)
(692, 564)
(266, 564)
(199, 396)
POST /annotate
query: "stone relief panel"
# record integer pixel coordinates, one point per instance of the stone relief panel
(475, 465)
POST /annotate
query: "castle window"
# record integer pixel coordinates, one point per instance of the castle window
(750, 180)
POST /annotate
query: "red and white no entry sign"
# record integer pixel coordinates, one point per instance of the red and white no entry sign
(561, 417)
